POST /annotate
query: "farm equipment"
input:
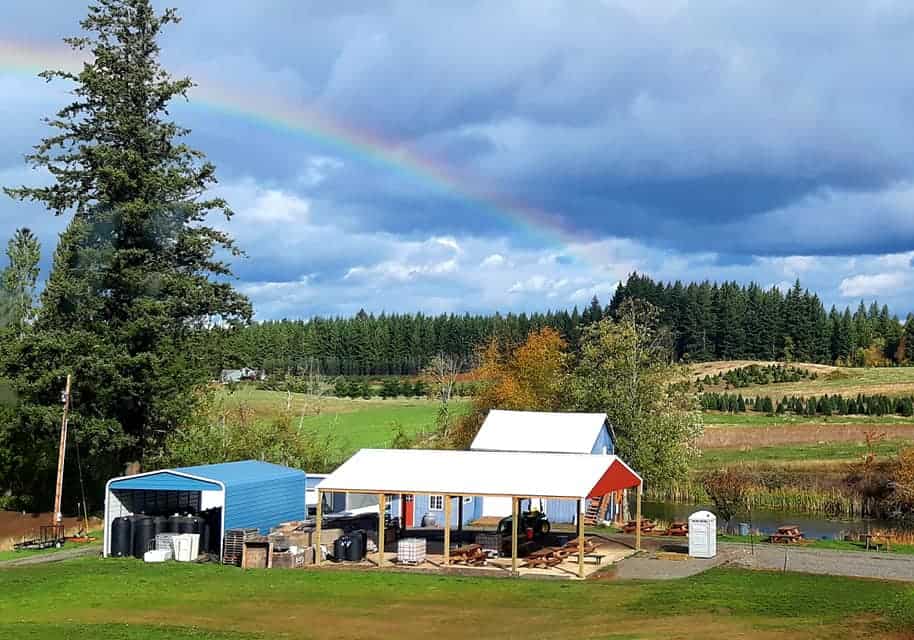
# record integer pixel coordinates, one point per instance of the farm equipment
(532, 526)
(50, 535)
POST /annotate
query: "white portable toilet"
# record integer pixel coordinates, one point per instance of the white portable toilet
(702, 534)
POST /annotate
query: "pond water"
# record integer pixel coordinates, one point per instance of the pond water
(812, 526)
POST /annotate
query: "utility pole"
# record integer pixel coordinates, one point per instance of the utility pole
(57, 517)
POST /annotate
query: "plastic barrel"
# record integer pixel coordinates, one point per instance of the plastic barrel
(174, 523)
(196, 524)
(143, 534)
(160, 523)
(341, 548)
(356, 550)
(121, 540)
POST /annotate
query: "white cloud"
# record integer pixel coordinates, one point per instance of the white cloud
(874, 284)
(492, 261)
(449, 242)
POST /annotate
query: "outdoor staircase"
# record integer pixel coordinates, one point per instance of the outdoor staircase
(595, 512)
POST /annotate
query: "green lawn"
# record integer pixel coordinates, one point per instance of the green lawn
(90, 598)
(810, 453)
(355, 423)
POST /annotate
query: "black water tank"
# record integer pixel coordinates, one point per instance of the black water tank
(144, 534)
(174, 523)
(204, 538)
(196, 524)
(121, 539)
(160, 524)
(341, 548)
(356, 550)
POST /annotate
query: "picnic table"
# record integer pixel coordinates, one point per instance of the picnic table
(646, 526)
(471, 554)
(677, 529)
(787, 535)
(879, 539)
(544, 558)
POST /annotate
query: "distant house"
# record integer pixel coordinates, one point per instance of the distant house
(227, 376)
(542, 432)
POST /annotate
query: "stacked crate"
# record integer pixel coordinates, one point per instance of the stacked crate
(234, 544)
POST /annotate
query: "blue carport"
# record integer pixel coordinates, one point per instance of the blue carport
(243, 494)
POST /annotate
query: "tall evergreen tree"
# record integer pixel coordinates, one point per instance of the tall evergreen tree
(20, 278)
(132, 287)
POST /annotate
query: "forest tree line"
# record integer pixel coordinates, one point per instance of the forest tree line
(705, 321)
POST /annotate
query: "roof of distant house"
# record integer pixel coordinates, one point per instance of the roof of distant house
(539, 431)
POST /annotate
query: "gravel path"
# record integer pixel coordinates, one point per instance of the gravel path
(859, 564)
(56, 556)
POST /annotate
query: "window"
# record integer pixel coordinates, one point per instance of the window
(436, 503)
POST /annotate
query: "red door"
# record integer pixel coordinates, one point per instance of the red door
(408, 509)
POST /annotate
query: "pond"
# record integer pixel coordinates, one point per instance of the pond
(812, 526)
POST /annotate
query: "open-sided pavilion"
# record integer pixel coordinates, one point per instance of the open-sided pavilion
(456, 474)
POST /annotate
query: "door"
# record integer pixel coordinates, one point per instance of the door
(408, 509)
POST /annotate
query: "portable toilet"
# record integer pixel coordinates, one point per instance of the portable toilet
(702, 534)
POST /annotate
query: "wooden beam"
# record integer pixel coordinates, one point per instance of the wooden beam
(580, 539)
(382, 505)
(638, 517)
(447, 530)
(318, 525)
(459, 513)
(514, 516)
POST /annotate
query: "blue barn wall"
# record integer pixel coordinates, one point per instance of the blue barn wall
(471, 510)
(604, 440)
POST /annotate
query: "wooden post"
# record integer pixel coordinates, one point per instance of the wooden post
(447, 530)
(580, 539)
(382, 505)
(638, 518)
(459, 513)
(57, 517)
(318, 525)
(514, 502)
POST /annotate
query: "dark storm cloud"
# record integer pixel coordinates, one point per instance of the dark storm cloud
(682, 129)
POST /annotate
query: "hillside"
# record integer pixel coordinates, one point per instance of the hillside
(846, 381)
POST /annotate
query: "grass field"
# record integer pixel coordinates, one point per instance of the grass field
(354, 423)
(805, 454)
(846, 381)
(104, 600)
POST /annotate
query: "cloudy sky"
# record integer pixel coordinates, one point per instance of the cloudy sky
(526, 155)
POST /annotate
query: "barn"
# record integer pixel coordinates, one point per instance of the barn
(545, 432)
(229, 495)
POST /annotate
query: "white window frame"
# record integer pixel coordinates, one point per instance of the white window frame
(436, 499)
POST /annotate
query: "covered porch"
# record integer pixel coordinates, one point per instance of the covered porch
(390, 474)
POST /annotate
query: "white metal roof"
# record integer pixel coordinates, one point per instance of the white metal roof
(472, 473)
(539, 431)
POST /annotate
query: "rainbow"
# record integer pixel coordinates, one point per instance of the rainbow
(23, 58)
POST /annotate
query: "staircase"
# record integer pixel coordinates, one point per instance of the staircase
(596, 509)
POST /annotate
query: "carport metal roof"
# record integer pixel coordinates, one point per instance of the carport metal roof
(481, 473)
(207, 477)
